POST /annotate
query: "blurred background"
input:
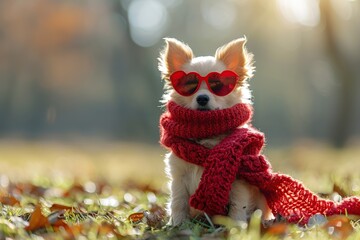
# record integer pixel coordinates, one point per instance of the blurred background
(87, 70)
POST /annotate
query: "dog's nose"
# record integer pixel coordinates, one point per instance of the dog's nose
(202, 100)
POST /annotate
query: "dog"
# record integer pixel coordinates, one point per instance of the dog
(185, 177)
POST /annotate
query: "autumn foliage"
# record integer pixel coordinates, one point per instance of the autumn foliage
(131, 211)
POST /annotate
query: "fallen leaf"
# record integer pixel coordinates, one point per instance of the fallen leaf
(56, 207)
(59, 224)
(136, 217)
(9, 200)
(26, 188)
(107, 228)
(155, 217)
(69, 231)
(277, 229)
(55, 220)
(37, 220)
(339, 226)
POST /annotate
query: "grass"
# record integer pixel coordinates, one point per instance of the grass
(102, 190)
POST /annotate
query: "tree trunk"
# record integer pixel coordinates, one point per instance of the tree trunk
(346, 79)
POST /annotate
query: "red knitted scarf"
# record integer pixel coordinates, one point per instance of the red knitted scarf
(238, 156)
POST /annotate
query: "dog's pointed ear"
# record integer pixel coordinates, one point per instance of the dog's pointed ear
(174, 55)
(236, 58)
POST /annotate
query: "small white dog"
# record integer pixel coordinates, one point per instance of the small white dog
(184, 176)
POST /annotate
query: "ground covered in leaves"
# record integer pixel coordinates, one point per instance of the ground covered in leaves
(67, 206)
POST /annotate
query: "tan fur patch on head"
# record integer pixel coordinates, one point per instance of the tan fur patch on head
(173, 57)
(236, 58)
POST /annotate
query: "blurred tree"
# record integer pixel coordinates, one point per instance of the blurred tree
(80, 62)
(136, 87)
(33, 35)
(345, 75)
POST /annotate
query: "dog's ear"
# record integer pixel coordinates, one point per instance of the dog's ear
(236, 58)
(173, 57)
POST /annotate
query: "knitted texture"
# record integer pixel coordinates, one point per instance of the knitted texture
(238, 155)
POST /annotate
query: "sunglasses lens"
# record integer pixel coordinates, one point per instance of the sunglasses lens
(222, 84)
(184, 84)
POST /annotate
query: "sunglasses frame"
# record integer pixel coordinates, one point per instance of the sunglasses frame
(200, 78)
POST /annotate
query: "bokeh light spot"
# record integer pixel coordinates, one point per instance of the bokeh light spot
(219, 14)
(147, 20)
(304, 12)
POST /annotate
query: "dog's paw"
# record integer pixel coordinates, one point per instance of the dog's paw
(195, 213)
(177, 219)
(274, 220)
(268, 222)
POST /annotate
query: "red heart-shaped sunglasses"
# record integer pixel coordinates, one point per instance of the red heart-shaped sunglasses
(220, 84)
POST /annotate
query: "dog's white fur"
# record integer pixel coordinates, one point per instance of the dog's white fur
(185, 177)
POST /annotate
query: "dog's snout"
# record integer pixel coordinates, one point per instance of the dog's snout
(202, 100)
